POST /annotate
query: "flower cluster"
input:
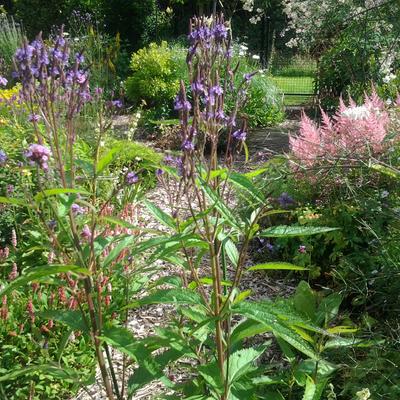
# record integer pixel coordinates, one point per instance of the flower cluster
(39, 155)
(204, 117)
(353, 130)
(3, 158)
(131, 178)
(50, 73)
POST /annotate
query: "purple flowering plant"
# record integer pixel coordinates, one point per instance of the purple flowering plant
(73, 203)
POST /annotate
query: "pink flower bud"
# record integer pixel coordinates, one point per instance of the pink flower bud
(14, 273)
(14, 239)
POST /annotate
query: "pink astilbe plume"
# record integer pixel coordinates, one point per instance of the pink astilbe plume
(307, 145)
(352, 131)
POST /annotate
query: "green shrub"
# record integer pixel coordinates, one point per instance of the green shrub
(264, 104)
(366, 52)
(155, 75)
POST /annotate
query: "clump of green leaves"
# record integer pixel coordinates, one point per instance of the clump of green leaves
(155, 75)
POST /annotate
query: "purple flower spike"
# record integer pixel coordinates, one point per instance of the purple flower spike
(52, 224)
(220, 32)
(249, 77)
(197, 87)
(217, 90)
(33, 118)
(38, 154)
(180, 105)
(187, 145)
(131, 178)
(98, 91)
(3, 81)
(3, 158)
(77, 209)
(240, 135)
(86, 233)
(79, 58)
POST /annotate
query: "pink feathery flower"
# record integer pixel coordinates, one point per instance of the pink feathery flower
(353, 130)
(14, 239)
(14, 273)
(31, 311)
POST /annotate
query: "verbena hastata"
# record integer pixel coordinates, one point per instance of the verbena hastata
(71, 202)
(209, 241)
(353, 133)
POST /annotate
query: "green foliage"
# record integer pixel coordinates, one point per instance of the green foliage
(264, 106)
(11, 37)
(155, 75)
(365, 51)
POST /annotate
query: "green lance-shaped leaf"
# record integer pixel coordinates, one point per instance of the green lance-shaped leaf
(257, 312)
(125, 224)
(241, 362)
(293, 231)
(160, 215)
(168, 296)
(73, 319)
(54, 192)
(276, 266)
(244, 183)
(247, 328)
(313, 390)
(230, 248)
(14, 202)
(108, 158)
(36, 273)
(116, 251)
(150, 369)
(122, 339)
(219, 204)
(61, 373)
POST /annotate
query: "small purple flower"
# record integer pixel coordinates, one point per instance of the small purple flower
(302, 249)
(10, 189)
(197, 87)
(3, 158)
(159, 172)
(80, 77)
(86, 233)
(77, 209)
(85, 96)
(180, 105)
(3, 81)
(117, 103)
(79, 58)
(98, 91)
(131, 178)
(270, 247)
(285, 200)
(187, 145)
(33, 117)
(217, 90)
(220, 32)
(220, 115)
(240, 135)
(38, 154)
(249, 77)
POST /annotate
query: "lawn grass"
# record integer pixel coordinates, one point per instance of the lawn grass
(297, 89)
